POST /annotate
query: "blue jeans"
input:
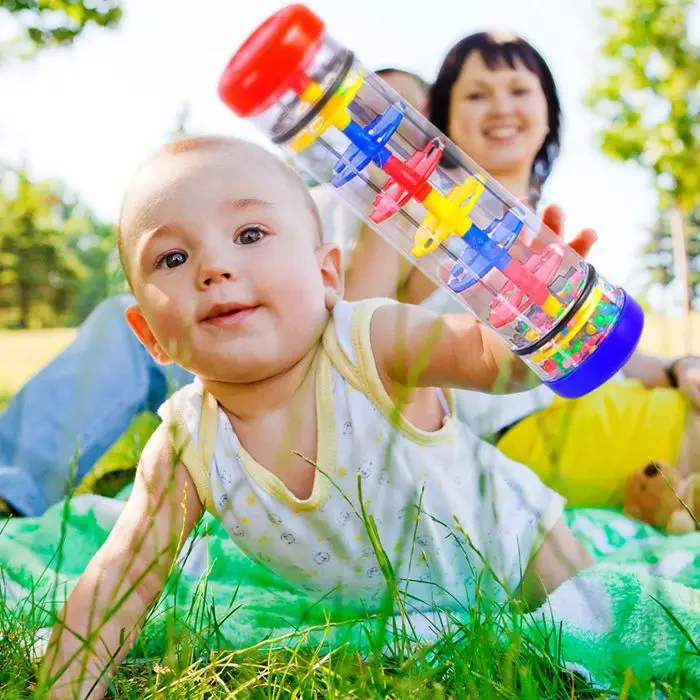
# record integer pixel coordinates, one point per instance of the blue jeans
(70, 413)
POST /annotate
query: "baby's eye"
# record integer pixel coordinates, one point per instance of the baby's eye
(250, 235)
(173, 259)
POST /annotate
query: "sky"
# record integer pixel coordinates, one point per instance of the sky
(88, 115)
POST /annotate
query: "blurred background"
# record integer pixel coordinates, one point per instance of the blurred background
(89, 87)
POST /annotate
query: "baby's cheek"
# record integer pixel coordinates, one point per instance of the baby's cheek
(293, 281)
(176, 332)
(301, 302)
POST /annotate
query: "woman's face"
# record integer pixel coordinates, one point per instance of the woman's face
(498, 117)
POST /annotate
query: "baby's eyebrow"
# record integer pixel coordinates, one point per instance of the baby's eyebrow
(149, 236)
(245, 202)
(155, 233)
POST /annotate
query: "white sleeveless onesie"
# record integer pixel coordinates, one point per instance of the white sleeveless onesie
(434, 499)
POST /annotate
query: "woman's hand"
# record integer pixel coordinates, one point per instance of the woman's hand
(553, 217)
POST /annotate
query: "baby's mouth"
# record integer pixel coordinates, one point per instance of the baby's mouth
(228, 314)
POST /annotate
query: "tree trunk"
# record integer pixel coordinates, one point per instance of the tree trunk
(24, 294)
(681, 273)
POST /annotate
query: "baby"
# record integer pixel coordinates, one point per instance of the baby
(307, 413)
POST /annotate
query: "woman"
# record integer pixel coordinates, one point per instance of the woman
(495, 97)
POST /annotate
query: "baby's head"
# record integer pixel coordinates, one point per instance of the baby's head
(221, 243)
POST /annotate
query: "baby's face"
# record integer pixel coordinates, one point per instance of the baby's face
(226, 265)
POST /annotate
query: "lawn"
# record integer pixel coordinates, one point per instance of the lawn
(23, 353)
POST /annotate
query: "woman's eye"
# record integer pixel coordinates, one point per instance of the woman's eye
(174, 259)
(475, 96)
(250, 235)
(519, 92)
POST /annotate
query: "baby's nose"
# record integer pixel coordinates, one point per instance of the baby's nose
(213, 274)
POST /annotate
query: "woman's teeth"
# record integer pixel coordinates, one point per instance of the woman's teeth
(504, 132)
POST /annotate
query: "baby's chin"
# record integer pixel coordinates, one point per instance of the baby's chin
(234, 369)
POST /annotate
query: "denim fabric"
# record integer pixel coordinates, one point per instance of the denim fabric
(69, 414)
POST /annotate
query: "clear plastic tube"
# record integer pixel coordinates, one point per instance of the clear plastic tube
(346, 127)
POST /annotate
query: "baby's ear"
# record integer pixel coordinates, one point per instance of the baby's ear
(330, 264)
(143, 332)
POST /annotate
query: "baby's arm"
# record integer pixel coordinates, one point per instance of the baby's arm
(413, 346)
(125, 577)
(468, 355)
(560, 557)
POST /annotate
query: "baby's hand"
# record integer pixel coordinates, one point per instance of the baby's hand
(131, 567)
(553, 217)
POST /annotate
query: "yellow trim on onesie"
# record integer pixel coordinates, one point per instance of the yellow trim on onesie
(363, 378)
(339, 359)
(196, 461)
(325, 451)
(371, 384)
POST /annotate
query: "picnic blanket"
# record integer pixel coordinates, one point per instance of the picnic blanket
(637, 609)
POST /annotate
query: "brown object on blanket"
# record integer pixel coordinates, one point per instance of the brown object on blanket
(657, 495)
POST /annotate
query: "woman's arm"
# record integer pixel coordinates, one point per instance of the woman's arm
(373, 268)
(653, 371)
(376, 268)
(648, 369)
(103, 615)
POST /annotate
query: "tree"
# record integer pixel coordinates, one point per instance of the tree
(47, 23)
(649, 100)
(39, 275)
(659, 256)
(56, 260)
(93, 244)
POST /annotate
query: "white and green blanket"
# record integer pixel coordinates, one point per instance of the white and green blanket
(638, 609)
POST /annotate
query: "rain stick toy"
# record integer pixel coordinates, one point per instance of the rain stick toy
(346, 127)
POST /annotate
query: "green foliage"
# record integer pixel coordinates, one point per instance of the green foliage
(650, 95)
(43, 24)
(93, 243)
(658, 254)
(649, 101)
(37, 275)
(55, 258)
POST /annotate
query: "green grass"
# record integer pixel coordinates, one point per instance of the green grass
(467, 663)
(483, 656)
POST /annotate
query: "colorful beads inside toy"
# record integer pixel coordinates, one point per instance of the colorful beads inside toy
(584, 332)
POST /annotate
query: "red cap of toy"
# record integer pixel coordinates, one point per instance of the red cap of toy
(272, 60)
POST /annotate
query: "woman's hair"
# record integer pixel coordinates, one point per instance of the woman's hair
(497, 50)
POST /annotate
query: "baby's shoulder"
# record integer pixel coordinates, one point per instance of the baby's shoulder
(182, 412)
(186, 398)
